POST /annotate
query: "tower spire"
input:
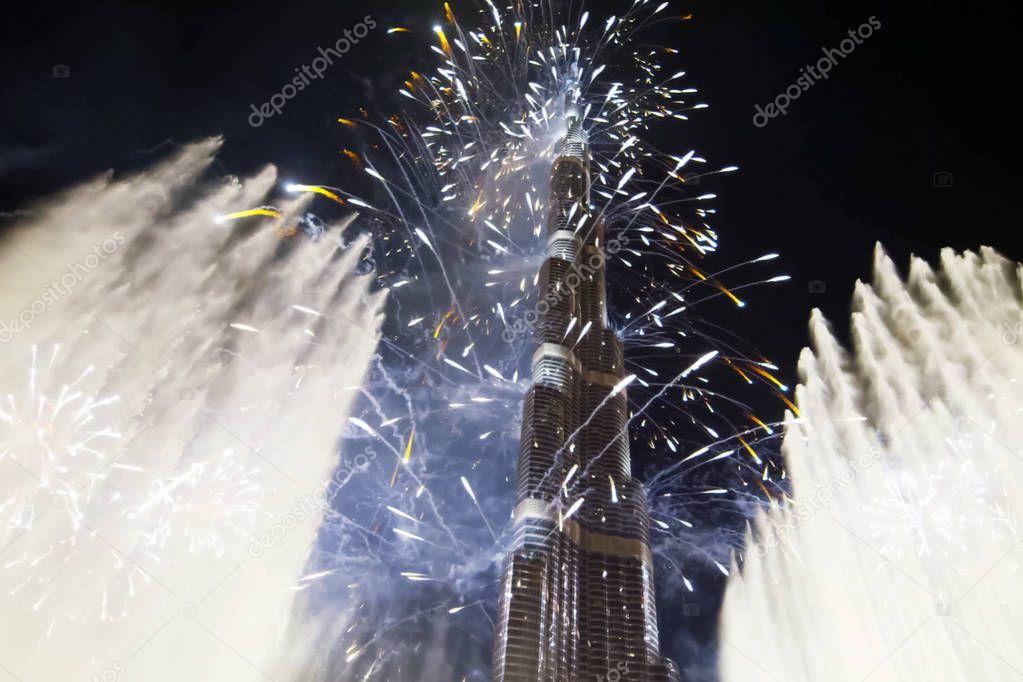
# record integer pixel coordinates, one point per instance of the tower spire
(577, 596)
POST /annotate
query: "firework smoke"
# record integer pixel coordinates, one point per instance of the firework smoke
(452, 196)
(454, 190)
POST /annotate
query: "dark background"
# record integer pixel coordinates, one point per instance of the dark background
(913, 140)
(852, 163)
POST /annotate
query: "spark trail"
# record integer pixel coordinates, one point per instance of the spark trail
(453, 190)
(448, 201)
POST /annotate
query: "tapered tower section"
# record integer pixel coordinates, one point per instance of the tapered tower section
(577, 593)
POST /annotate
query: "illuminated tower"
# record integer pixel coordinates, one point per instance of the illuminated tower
(577, 594)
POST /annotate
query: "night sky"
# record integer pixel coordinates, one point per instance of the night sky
(912, 141)
(853, 162)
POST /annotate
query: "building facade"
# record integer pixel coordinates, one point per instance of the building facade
(577, 593)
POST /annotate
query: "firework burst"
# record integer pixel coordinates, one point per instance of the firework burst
(453, 190)
(53, 440)
(208, 502)
(57, 444)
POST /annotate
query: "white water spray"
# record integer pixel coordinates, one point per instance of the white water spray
(899, 556)
(173, 394)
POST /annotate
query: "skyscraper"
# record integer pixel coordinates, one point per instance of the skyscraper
(577, 594)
